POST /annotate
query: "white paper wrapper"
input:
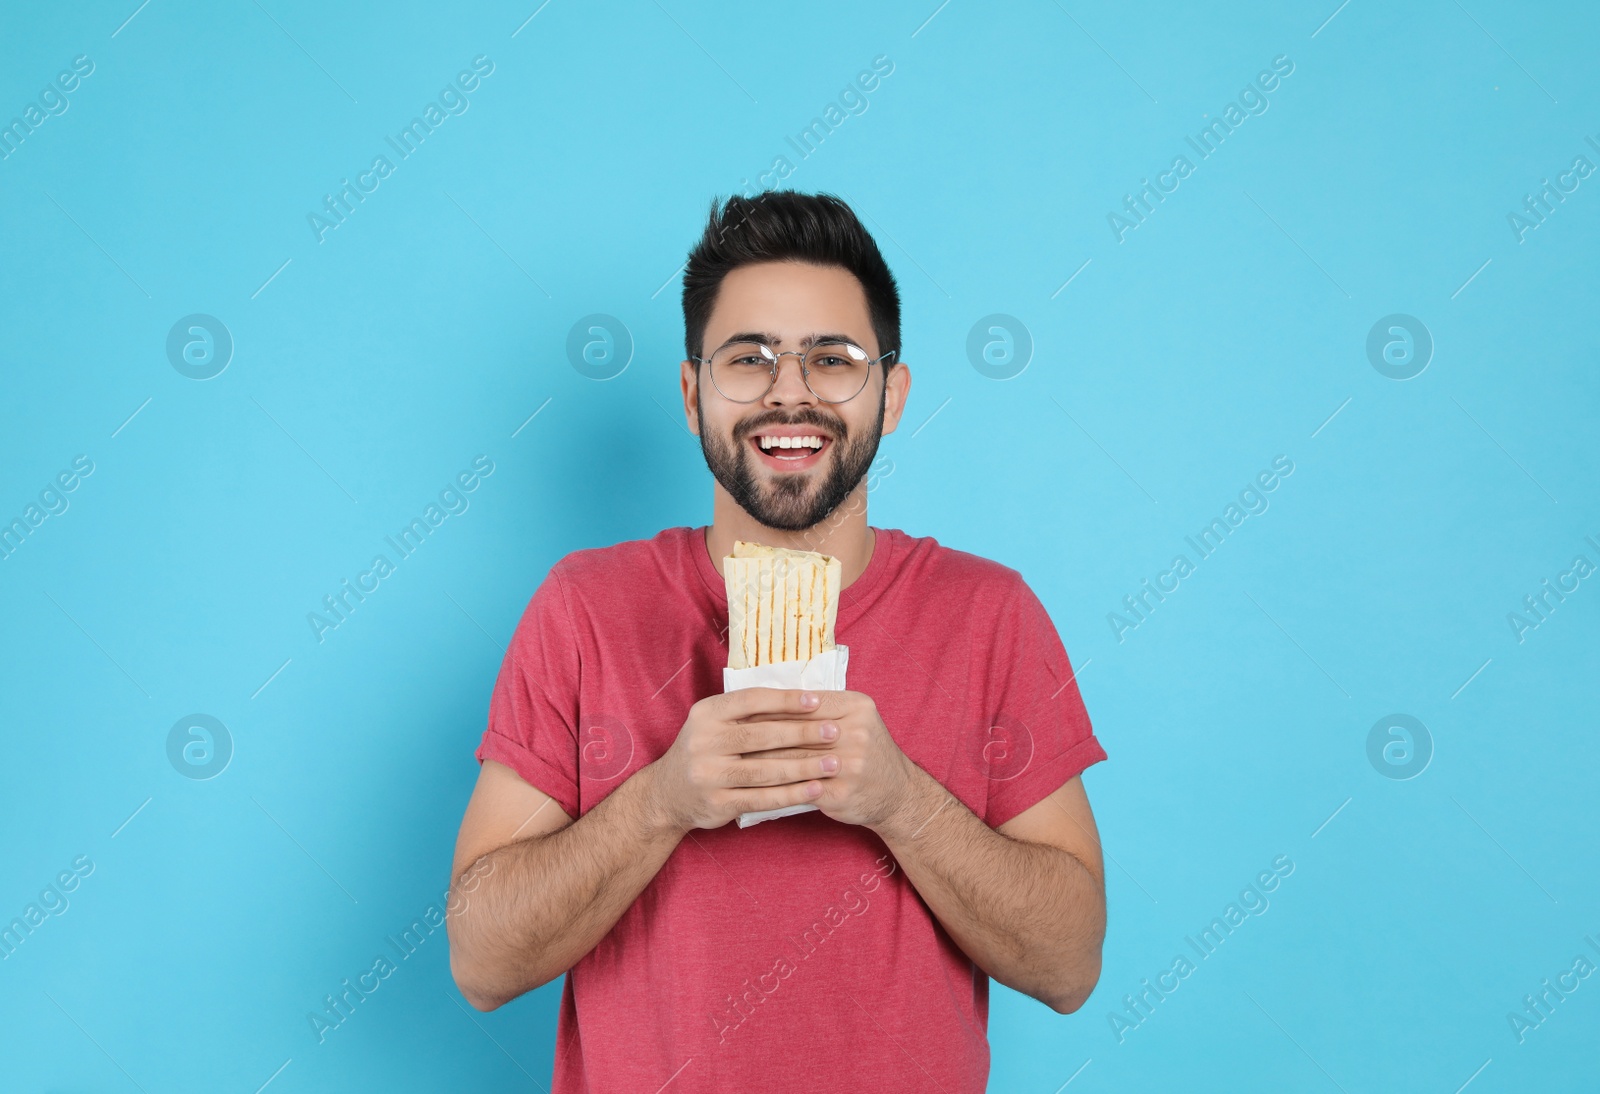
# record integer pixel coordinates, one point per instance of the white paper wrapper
(824, 672)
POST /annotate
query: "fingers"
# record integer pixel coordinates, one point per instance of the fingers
(771, 772)
(783, 753)
(756, 799)
(752, 702)
(742, 737)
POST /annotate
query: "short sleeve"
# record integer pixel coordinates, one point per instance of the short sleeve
(1039, 735)
(533, 712)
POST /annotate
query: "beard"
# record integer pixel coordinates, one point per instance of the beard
(794, 501)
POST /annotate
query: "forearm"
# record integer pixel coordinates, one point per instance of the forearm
(541, 904)
(1030, 915)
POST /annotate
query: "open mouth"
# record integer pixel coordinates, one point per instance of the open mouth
(790, 449)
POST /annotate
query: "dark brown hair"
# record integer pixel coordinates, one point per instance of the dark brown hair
(780, 225)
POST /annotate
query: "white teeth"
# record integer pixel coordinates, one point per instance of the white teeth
(790, 442)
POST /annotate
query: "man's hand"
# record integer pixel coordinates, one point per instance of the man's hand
(715, 769)
(875, 777)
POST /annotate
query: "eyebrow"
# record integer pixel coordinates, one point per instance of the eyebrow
(769, 339)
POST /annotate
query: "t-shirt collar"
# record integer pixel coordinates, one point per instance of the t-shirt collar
(851, 601)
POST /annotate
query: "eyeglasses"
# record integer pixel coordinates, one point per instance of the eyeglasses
(835, 372)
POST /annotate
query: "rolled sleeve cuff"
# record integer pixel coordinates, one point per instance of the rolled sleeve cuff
(1011, 797)
(534, 770)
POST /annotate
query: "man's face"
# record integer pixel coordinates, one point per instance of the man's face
(786, 304)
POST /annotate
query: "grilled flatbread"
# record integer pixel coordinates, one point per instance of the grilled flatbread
(782, 604)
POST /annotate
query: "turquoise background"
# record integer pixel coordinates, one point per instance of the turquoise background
(1227, 329)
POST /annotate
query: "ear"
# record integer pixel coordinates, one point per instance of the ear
(689, 382)
(897, 389)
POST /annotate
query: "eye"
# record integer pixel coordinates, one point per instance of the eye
(834, 357)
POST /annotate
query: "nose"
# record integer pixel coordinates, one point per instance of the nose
(789, 389)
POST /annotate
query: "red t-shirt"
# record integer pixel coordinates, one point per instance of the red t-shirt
(793, 955)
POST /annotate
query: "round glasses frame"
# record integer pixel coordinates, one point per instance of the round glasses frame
(774, 359)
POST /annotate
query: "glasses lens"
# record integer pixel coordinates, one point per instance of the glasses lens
(742, 371)
(837, 371)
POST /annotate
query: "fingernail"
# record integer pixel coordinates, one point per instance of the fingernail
(812, 790)
(830, 763)
(808, 698)
(829, 731)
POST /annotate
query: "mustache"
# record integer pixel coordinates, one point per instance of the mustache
(834, 426)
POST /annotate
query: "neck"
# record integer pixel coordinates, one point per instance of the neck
(843, 533)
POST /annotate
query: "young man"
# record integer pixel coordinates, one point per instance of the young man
(847, 947)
